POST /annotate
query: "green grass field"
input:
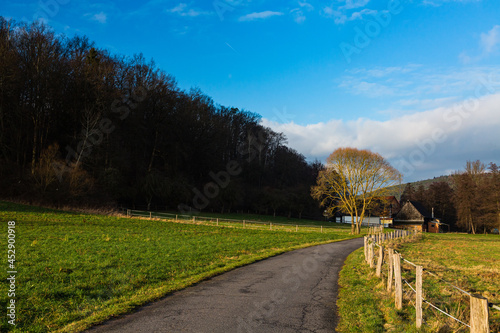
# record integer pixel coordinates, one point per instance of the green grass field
(76, 269)
(471, 262)
(252, 221)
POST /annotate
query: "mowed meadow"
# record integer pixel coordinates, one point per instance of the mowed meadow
(77, 269)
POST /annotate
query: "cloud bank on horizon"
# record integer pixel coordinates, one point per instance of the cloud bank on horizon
(421, 145)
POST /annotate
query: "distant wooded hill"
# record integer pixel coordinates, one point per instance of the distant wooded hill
(398, 190)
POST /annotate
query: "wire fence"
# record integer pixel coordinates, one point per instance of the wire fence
(478, 305)
(234, 223)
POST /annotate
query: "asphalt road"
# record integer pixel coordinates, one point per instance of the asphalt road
(292, 292)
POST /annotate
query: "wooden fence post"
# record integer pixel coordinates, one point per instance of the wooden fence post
(243, 223)
(479, 316)
(296, 227)
(270, 225)
(380, 261)
(390, 261)
(217, 221)
(175, 218)
(365, 248)
(369, 243)
(372, 250)
(398, 283)
(418, 299)
(150, 215)
(194, 219)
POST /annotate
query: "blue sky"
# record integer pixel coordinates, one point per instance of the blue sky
(417, 81)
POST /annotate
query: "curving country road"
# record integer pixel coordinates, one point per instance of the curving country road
(292, 292)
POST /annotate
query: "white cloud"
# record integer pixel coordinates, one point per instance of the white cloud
(418, 82)
(260, 15)
(352, 4)
(305, 5)
(467, 59)
(179, 8)
(99, 17)
(437, 3)
(299, 17)
(491, 39)
(421, 144)
(488, 44)
(299, 13)
(369, 89)
(183, 10)
(427, 103)
(341, 16)
(344, 13)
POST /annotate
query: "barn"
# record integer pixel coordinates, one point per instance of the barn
(413, 215)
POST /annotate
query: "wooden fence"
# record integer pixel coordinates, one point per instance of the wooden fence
(374, 250)
(232, 222)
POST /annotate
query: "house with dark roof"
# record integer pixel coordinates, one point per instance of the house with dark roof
(413, 215)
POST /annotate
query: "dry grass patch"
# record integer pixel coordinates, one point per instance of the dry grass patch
(470, 262)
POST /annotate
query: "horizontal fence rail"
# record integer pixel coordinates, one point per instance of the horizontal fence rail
(217, 221)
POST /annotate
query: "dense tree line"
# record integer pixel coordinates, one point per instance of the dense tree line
(80, 125)
(470, 202)
(477, 197)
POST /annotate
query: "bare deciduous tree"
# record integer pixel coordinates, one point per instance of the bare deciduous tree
(352, 179)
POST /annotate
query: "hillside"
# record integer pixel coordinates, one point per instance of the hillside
(398, 190)
(427, 182)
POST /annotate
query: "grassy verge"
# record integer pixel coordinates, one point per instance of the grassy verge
(363, 304)
(471, 262)
(78, 269)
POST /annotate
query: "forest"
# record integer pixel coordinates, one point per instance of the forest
(469, 200)
(81, 126)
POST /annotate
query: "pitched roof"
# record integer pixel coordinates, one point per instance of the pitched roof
(420, 208)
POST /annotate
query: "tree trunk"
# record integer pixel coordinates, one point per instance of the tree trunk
(35, 144)
(153, 153)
